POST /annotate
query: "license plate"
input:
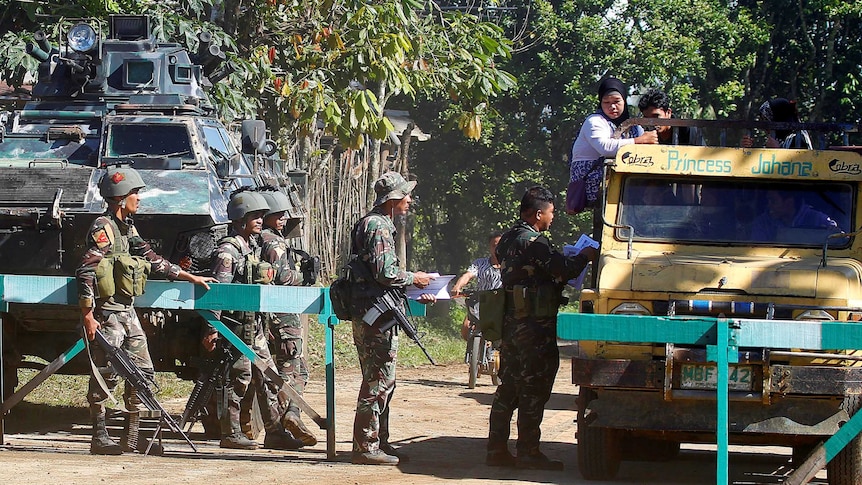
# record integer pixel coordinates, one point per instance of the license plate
(694, 376)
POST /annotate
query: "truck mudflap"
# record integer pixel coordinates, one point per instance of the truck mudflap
(648, 411)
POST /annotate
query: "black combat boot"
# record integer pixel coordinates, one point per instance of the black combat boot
(499, 456)
(383, 435)
(279, 439)
(375, 457)
(101, 443)
(238, 441)
(537, 461)
(294, 424)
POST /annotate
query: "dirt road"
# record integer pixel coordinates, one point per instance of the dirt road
(436, 419)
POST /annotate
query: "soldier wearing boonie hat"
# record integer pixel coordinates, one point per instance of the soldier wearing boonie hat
(373, 242)
(392, 185)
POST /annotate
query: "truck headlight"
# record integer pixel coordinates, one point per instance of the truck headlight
(630, 308)
(81, 37)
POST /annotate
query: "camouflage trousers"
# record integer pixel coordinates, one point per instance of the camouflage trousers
(286, 330)
(121, 329)
(377, 355)
(529, 360)
(245, 377)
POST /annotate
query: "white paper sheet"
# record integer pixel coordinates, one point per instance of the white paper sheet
(438, 287)
(572, 250)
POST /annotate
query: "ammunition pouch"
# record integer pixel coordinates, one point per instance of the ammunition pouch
(260, 272)
(541, 302)
(246, 329)
(492, 309)
(122, 274)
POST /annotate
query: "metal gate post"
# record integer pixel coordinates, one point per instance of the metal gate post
(330, 321)
(722, 435)
(4, 307)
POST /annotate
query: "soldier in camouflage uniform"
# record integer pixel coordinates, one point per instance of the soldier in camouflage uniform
(113, 234)
(533, 275)
(237, 260)
(373, 243)
(286, 328)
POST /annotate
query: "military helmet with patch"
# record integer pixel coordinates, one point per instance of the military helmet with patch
(391, 185)
(119, 182)
(277, 201)
(242, 203)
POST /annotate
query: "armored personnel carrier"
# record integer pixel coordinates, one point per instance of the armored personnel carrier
(121, 97)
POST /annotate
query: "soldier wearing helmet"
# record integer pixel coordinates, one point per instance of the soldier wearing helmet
(106, 302)
(236, 259)
(286, 328)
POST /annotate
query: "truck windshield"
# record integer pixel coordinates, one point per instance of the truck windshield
(143, 140)
(740, 213)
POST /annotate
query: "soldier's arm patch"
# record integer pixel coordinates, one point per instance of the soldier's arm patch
(226, 260)
(101, 238)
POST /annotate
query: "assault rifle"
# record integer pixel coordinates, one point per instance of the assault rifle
(210, 378)
(125, 368)
(387, 310)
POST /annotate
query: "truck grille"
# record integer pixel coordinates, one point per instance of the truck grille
(35, 187)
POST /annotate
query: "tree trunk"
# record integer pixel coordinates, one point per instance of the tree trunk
(401, 222)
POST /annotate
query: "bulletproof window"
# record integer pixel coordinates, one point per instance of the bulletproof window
(153, 140)
(139, 72)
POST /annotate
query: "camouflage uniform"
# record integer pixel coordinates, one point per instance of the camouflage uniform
(286, 328)
(374, 243)
(229, 265)
(529, 357)
(117, 317)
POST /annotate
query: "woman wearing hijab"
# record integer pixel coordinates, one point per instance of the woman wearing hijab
(596, 141)
(781, 110)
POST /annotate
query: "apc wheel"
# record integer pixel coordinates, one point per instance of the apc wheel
(475, 348)
(846, 467)
(598, 448)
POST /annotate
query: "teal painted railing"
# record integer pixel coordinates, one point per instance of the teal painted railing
(722, 338)
(55, 290)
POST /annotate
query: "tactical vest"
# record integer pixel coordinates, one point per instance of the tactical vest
(119, 274)
(254, 271)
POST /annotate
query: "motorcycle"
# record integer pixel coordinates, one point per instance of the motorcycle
(481, 357)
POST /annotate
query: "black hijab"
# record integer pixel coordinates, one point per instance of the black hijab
(608, 85)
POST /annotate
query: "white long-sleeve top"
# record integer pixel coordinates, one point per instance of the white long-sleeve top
(596, 140)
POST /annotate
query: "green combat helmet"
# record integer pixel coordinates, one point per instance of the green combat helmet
(119, 182)
(277, 201)
(244, 202)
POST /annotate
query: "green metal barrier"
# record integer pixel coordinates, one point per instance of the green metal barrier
(723, 337)
(56, 290)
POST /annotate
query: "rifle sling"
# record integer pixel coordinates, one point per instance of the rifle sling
(98, 375)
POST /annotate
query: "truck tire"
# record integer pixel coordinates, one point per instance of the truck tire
(846, 467)
(598, 448)
(475, 348)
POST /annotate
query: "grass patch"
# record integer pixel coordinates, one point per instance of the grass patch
(71, 390)
(439, 332)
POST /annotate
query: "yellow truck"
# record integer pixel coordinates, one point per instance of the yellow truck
(749, 233)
